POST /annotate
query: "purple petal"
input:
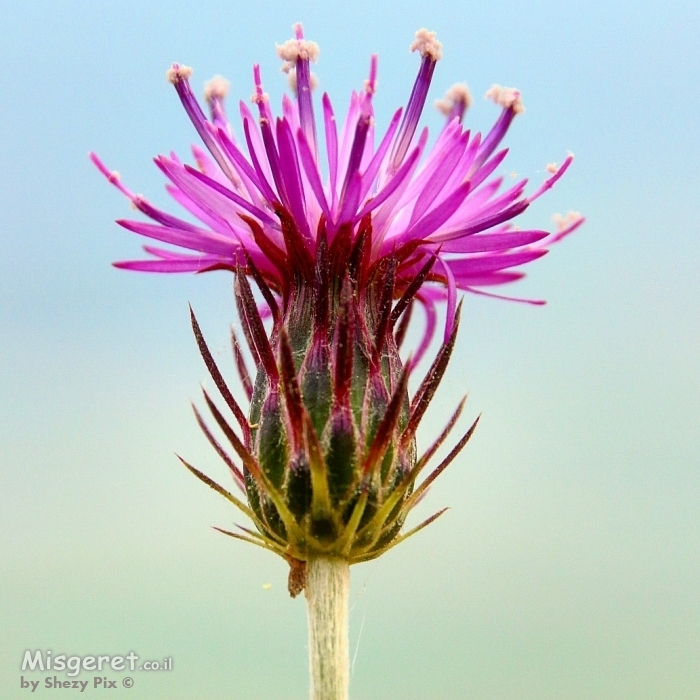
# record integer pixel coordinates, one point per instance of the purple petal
(311, 170)
(490, 263)
(483, 224)
(204, 241)
(438, 216)
(414, 108)
(331, 130)
(289, 172)
(193, 265)
(481, 243)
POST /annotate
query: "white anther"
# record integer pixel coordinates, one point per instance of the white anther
(426, 42)
(457, 96)
(508, 98)
(259, 98)
(216, 88)
(552, 168)
(563, 222)
(370, 86)
(176, 73)
(294, 49)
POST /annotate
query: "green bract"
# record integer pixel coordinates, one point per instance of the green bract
(328, 447)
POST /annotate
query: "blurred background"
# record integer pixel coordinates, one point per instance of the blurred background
(568, 565)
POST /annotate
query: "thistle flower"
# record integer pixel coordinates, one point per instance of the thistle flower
(341, 246)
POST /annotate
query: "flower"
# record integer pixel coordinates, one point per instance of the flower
(342, 247)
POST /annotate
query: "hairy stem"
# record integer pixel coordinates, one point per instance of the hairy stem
(327, 593)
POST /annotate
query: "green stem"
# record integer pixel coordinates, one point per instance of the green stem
(327, 594)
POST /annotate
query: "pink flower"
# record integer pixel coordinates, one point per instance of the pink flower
(341, 246)
(265, 198)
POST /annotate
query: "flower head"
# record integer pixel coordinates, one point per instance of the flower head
(342, 244)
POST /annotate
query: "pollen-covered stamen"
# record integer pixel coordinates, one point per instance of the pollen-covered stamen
(113, 176)
(279, 165)
(563, 222)
(565, 225)
(506, 97)
(177, 73)
(215, 91)
(298, 48)
(259, 96)
(297, 53)
(550, 181)
(431, 51)
(455, 103)
(139, 202)
(179, 76)
(427, 44)
(509, 99)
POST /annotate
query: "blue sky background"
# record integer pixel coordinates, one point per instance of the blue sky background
(569, 564)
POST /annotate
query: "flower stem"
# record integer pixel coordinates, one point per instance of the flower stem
(327, 594)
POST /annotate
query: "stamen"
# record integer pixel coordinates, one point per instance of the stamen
(179, 76)
(549, 183)
(216, 88)
(563, 222)
(215, 91)
(297, 53)
(431, 51)
(260, 97)
(297, 49)
(426, 42)
(176, 73)
(565, 225)
(371, 82)
(456, 102)
(508, 98)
